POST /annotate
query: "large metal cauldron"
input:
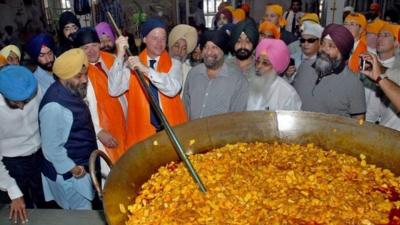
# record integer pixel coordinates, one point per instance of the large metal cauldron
(380, 145)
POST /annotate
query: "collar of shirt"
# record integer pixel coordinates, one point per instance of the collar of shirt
(2, 100)
(355, 45)
(304, 57)
(223, 72)
(388, 63)
(155, 64)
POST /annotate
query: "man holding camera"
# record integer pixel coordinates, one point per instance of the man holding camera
(385, 65)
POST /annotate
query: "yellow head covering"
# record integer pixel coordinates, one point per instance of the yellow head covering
(357, 18)
(230, 8)
(239, 15)
(394, 29)
(70, 63)
(186, 32)
(375, 26)
(313, 17)
(278, 10)
(10, 48)
(268, 26)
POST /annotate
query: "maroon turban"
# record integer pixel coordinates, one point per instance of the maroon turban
(342, 38)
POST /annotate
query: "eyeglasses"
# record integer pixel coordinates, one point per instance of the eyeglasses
(309, 40)
(264, 62)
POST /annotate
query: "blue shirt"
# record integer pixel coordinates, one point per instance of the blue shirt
(54, 136)
(44, 78)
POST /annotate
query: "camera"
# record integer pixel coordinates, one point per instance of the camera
(365, 65)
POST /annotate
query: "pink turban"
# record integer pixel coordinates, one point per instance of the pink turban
(104, 28)
(277, 53)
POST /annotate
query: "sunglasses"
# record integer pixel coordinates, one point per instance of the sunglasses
(309, 40)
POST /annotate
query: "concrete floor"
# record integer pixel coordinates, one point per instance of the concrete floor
(57, 217)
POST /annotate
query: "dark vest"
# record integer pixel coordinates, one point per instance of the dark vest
(82, 137)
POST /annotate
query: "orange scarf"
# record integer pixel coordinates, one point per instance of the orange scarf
(139, 126)
(109, 109)
(354, 61)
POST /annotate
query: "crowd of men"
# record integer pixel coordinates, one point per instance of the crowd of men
(85, 95)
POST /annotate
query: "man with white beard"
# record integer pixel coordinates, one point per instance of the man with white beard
(267, 90)
(328, 86)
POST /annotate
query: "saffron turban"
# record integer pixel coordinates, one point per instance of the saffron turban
(268, 26)
(70, 63)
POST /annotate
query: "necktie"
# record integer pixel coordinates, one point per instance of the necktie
(154, 90)
(294, 23)
(98, 66)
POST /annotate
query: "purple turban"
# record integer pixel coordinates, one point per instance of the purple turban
(226, 13)
(104, 28)
(34, 46)
(342, 38)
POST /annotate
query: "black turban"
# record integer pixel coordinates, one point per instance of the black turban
(249, 28)
(85, 36)
(218, 37)
(66, 18)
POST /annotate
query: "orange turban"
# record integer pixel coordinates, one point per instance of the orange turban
(357, 18)
(278, 10)
(394, 29)
(268, 26)
(375, 26)
(239, 15)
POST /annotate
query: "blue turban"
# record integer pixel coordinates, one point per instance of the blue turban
(17, 83)
(150, 24)
(34, 46)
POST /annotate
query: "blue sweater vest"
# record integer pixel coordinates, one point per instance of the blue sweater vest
(82, 138)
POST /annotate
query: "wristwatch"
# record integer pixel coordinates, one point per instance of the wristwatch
(381, 77)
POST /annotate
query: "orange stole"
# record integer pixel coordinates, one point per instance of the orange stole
(139, 126)
(109, 109)
(354, 61)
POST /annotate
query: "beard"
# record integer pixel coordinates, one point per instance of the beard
(77, 90)
(325, 65)
(260, 83)
(195, 62)
(109, 49)
(213, 62)
(47, 66)
(242, 53)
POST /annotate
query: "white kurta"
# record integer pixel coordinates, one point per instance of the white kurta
(280, 95)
